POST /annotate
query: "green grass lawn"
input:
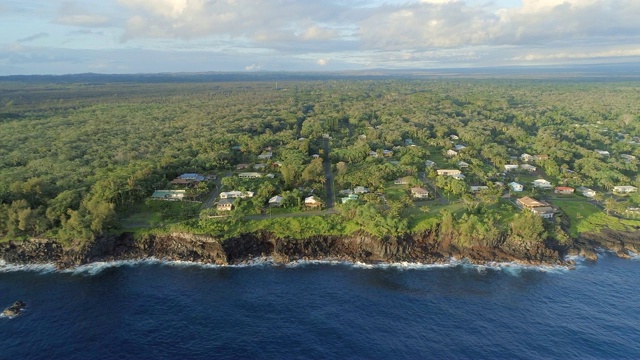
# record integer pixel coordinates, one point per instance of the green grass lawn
(153, 213)
(420, 220)
(586, 217)
(394, 192)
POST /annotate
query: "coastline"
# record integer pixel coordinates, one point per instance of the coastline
(422, 249)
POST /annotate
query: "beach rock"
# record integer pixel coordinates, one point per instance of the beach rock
(15, 309)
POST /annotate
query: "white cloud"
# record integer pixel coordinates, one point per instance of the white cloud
(322, 62)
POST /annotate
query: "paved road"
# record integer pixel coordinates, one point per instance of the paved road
(214, 194)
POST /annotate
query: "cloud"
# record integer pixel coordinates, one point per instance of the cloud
(73, 14)
(33, 37)
(322, 62)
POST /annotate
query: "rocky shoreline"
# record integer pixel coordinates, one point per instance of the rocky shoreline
(425, 248)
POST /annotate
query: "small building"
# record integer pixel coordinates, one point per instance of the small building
(448, 172)
(452, 153)
(260, 166)
(540, 157)
(477, 188)
(603, 152)
(454, 137)
(545, 212)
(586, 192)
(516, 187)
(387, 153)
(276, 201)
(565, 190)
(510, 167)
(312, 202)
(352, 197)
(224, 205)
(627, 157)
(419, 193)
(242, 166)
(624, 189)
(234, 194)
(265, 155)
(271, 176)
(169, 195)
(249, 175)
(458, 176)
(459, 147)
(530, 203)
(527, 167)
(408, 141)
(315, 156)
(360, 190)
(429, 163)
(193, 177)
(541, 184)
(345, 192)
(463, 164)
(402, 181)
(526, 157)
(373, 153)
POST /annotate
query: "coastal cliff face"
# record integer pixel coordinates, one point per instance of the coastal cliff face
(423, 248)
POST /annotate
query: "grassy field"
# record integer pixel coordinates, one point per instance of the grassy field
(586, 217)
(153, 213)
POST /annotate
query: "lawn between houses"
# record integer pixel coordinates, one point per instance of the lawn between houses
(585, 217)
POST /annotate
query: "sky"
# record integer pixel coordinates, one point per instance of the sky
(150, 36)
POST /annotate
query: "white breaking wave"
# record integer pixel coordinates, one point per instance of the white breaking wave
(39, 268)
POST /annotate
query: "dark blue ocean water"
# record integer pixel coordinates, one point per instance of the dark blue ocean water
(178, 311)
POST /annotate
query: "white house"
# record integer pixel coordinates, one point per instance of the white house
(236, 194)
(429, 163)
(171, 195)
(603, 152)
(542, 184)
(477, 188)
(586, 192)
(402, 181)
(526, 157)
(265, 155)
(452, 153)
(373, 153)
(624, 189)
(312, 201)
(463, 164)
(516, 187)
(458, 176)
(527, 167)
(276, 201)
(510, 167)
(459, 147)
(448, 172)
(419, 193)
(360, 190)
(249, 175)
(454, 137)
(627, 157)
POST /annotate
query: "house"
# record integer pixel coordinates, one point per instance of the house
(419, 193)
(586, 192)
(360, 190)
(624, 189)
(351, 197)
(542, 184)
(545, 212)
(526, 157)
(448, 172)
(459, 147)
(515, 187)
(249, 175)
(373, 153)
(463, 164)
(402, 181)
(242, 166)
(452, 153)
(170, 195)
(454, 137)
(429, 163)
(191, 177)
(477, 188)
(234, 194)
(387, 153)
(627, 157)
(527, 167)
(565, 190)
(315, 156)
(408, 141)
(312, 202)
(530, 203)
(276, 201)
(540, 157)
(510, 167)
(458, 176)
(603, 152)
(224, 205)
(260, 166)
(265, 155)
(271, 176)
(345, 192)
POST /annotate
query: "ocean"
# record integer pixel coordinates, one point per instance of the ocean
(310, 310)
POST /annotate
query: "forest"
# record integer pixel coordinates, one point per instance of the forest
(79, 159)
